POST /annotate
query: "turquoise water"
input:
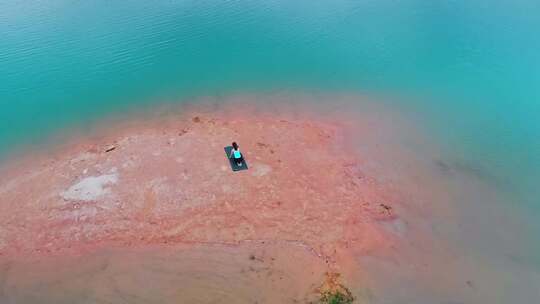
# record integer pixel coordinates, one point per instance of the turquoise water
(468, 70)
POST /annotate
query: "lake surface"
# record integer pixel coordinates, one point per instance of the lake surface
(469, 69)
(468, 72)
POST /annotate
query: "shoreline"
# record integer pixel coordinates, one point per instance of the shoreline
(166, 183)
(336, 187)
(88, 166)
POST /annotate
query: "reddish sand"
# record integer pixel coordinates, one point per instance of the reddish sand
(167, 182)
(170, 182)
(182, 273)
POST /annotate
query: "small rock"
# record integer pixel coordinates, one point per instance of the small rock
(184, 131)
(386, 208)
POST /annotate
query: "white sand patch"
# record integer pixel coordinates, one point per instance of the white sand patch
(91, 188)
(261, 169)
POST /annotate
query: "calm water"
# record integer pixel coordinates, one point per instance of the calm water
(468, 71)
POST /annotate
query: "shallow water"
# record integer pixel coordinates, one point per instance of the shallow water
(466, 72)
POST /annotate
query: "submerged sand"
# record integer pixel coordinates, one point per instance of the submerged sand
(156, 198)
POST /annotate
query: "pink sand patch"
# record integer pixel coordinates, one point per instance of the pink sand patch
(167, 182)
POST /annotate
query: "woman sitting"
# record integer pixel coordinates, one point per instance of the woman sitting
(236, 154)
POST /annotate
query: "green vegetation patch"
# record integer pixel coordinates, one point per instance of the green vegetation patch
(336, 297)
(333, 292)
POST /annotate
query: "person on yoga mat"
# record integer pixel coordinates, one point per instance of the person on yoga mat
(236, 154)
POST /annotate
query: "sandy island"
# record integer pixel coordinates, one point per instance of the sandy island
(170, 182)
(306, 200)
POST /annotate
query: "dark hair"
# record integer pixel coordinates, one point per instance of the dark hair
(235, 145)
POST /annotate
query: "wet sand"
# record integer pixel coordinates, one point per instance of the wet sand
(253, 272)
(153, 200)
